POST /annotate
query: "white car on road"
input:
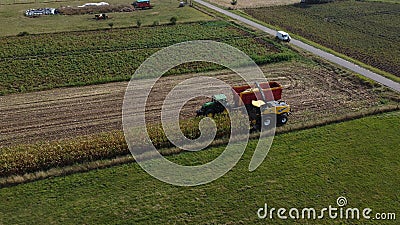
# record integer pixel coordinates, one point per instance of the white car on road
(283, 36)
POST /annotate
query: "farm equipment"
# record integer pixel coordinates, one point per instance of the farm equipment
(268, 111)
(216, 106)
(261, 112)
(102, 16)
(142, 4)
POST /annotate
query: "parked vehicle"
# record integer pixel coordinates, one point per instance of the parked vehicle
(283, 36)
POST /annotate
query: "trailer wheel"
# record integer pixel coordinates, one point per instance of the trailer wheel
(282, 119)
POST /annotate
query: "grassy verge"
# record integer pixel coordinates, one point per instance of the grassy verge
(372, 50)
(310, 168)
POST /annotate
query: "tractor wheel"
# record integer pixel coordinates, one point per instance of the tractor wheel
(209, 113)
(282, 119)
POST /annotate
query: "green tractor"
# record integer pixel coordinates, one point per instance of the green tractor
(216, 106)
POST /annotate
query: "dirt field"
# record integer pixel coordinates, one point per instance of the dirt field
(312, 91)
(253, 3)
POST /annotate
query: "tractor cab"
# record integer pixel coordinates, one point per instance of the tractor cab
(221, 98)
(215, 106)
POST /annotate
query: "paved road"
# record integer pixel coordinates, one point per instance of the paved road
(344, 63)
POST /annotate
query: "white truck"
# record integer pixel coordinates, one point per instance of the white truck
(283, 36)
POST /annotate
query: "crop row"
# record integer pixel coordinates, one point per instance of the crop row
(84, 68)
(42, 156)
(47, 73)
(114, 39)
(366, 31)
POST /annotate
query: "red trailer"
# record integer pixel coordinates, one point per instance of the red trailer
(272, 91)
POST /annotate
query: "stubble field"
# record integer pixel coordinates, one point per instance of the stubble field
(314, 92)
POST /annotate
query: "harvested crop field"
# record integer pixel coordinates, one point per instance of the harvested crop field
(314, 92)
(253, 3)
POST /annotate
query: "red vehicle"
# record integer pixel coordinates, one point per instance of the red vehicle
(142, 4)
(248, 93)
(243, 95)
(260, 100)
